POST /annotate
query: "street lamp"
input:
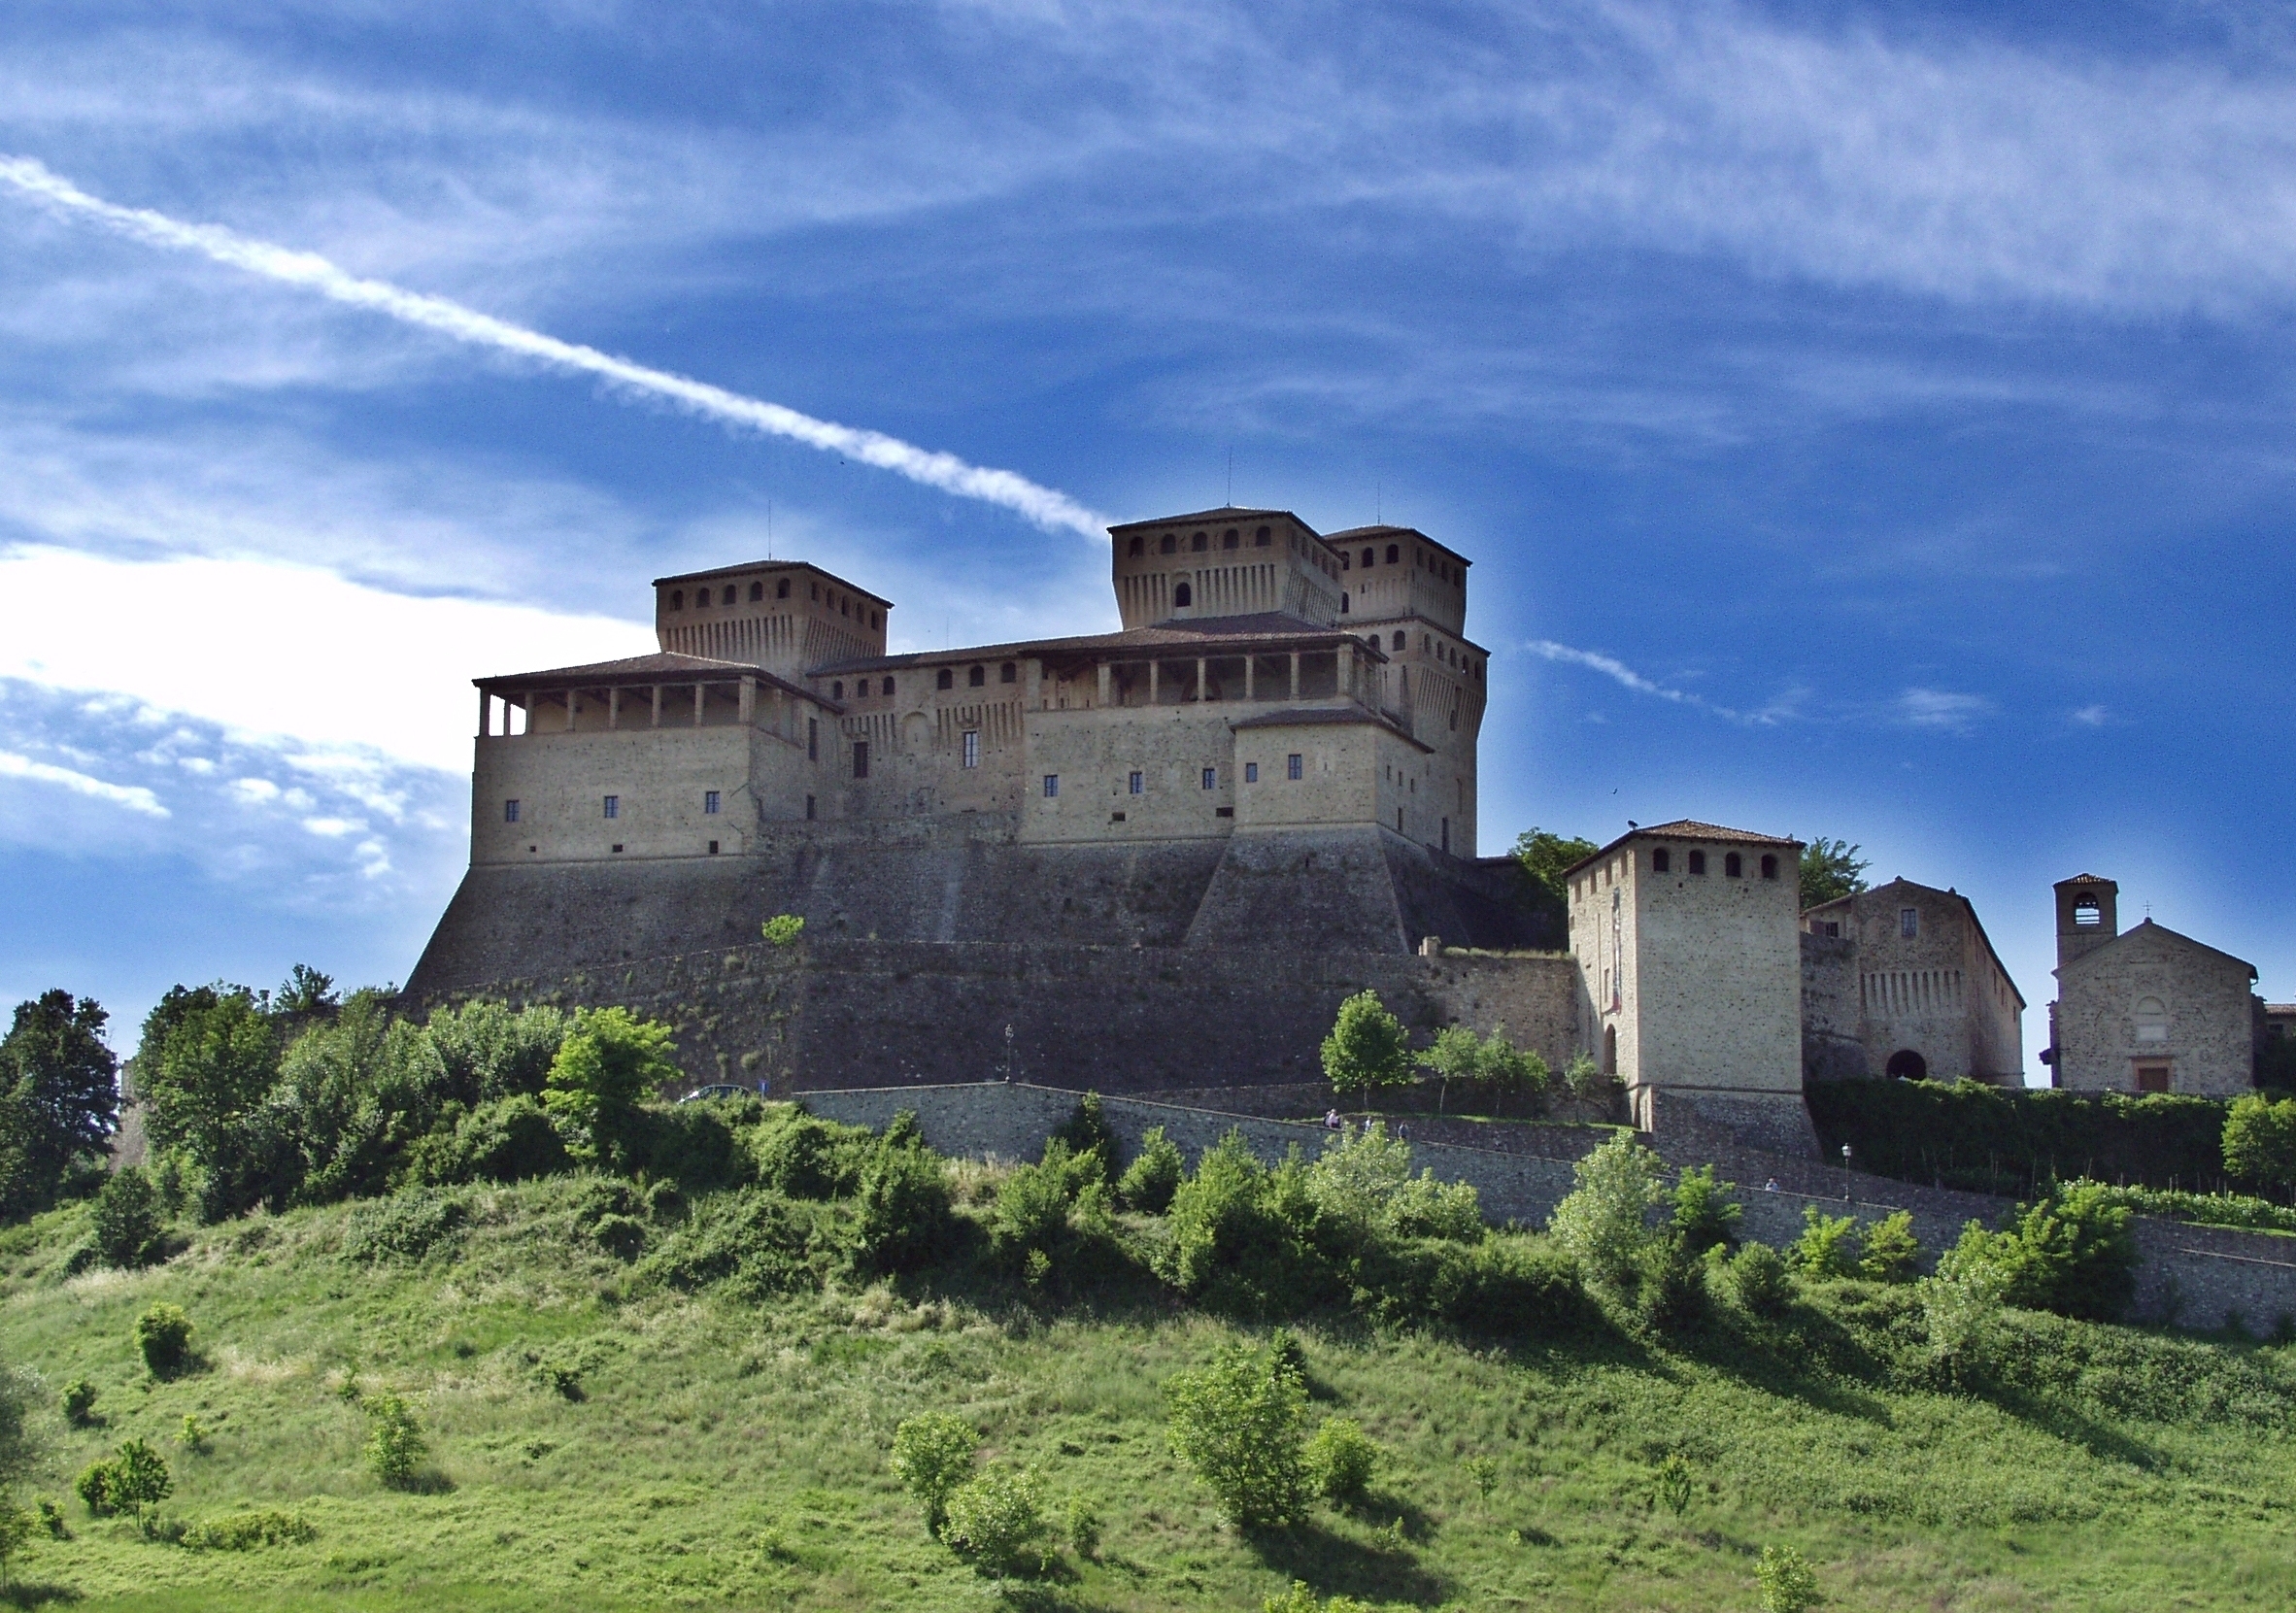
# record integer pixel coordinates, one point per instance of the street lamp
(1845, 1188)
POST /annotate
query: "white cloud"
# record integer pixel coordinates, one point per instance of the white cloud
(1618, 672)
(267, 649)
(255, 792)
(334, 829)
(134, 798)
(2091, 717)
(1941, 709)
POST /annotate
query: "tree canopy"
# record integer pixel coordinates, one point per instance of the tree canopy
(1542, 854)
(59, 1098)
(1831, 869)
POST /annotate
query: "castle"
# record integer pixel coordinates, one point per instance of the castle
(1158, 859)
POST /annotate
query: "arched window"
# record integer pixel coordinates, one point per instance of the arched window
(1698, 863)
(888, 689)
(946, 680)
(1905, 1064)
(677, 599)
(2085, 911)
(2153, 1019)
(1770, 867)
(1343, 604)
(978, 676)
(837, 690)
(1182, 596)
(1662, 862)
(1230, 538)
(1169, 544)
(1610, 1050)
(1200, 541)
(729, 598)
(1399, 642)
(875, 622)
(781, 589)
(757, 592)
(1370, 558)
(1395, 553)
(1732, 865)
(1259, 538)
(1137, 547)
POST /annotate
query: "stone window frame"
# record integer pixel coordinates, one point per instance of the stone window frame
(1295, 766)
(861, 758)
(710, 801)
(611, 807)
(1051, 786)
(971, 747)
(510, 810)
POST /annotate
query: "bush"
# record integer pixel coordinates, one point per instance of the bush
(1893, 1254)
(1605, 1223)
(1755, 1279)
(192, 1435)
(1672, 1485)
(1341, 1459)
(1368, 1047)
(504, 1139)
(783, 929)
(753, 1240)
(1961, 1310)
(1705, 1215)
(1087, 1132)
(394, 1447)
(1031, 1213)
(2071, 1253)
(17, 1527)
(933, 1456)
(1240, 1425)
(241, 1531)
(1670, 1290)
(1787, 1584)
(135, 1478)
(905, 1217)
(1235, 1231)
(1150, 1180)
(1082, 1527)
(1828, 1246)
(995, 1522)
(1301, 1600)
(609, 1063)
(78, 1403)
(805, 1158)
(405, 1226)
(2260, 1142)
(163, 1333)
(129, 1225)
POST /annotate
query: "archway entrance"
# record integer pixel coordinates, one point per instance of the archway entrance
(1610, 1050)
(1905, 1064)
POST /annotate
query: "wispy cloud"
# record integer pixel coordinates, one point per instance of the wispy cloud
(1045, 506)
(2092, 716)
(134, 798)
(1626, 676)
(1941, 709)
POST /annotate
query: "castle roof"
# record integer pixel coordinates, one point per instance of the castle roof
(1382, 533)
(1968, 908)
(1309, 717)
(1225, 512)
(1266, 631)
(1686, 829)
(2086, 879)
(665, 666)
(2154, 933)
(753, 567)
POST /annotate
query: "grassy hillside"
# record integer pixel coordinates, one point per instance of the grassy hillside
(603, 1438)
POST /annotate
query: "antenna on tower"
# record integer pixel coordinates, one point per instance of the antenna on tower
(1378, 503)
(1230, 502)
(769, 529)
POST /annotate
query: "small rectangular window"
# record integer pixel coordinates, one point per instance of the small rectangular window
(617, 846)
(1212, 778)
(1661, 861)
(861, 758)
(1908, 922)
(613, 806)
(2152, 1078)
(712, 848)
(809, 809)
(1292, 767)
(812, 743)
(709, 801)
(1052, 785)
(1251, 772)
(510, 811)
(1136, 784)
(972, 747)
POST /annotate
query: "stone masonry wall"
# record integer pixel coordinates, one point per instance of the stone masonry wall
(2195, 1276)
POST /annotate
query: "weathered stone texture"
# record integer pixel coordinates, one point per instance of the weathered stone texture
(2152, 998)
(1934, 1004)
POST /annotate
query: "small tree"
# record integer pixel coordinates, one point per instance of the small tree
(1788, 1586)
(163, 1333)
(1511, 1070)
(1341, 1459)
(996, 1522)
(609, 1063)
(1828, 1246)
(396, 1447)
(1893, 1254)
(932, 1455)
(129, 1225)
(1368, 1047)
(1583, 1077)
(1672, 1485)
(59, 1098)
(1149, 1181)
(783, 929)
(78, 1403)
(1756, 1279)
(1705, 1215)
(1831, 869)
(1604, 1224)
(1456, 1055)
(135, 1478)
(2260, 1142)
(1240, 1424)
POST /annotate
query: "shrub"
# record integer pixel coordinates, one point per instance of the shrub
(130, 1227)
(135, 1478)
(805, 1158)
(1787, 1584)
(1673, 1486)
(1670, 1290)
(405, 1226)
(1341, 1459)
(1082, 1526)
(504, 1139)
(163, 1333)
(192, 1435)
(1893, 1254)
(1087, 1132)
(1583, 1077)
(1828, 1246)
(2071, 1253)
(1604, 1221)
(241, 1531)
(1031, 1213)
(753, 1240)
(1705, 1215)
(78, 1403)
(1149, 1181)
(783, 929)
(1755, 1279)
(18, 1526)
(995, 1522)
(905, 1219)
(52, 1519)
(1301, 1600)
(933, 1456)
(396, 1447)
(1368, 1047)
(609, 1063)
(1240, 1425)
(2260, 1141)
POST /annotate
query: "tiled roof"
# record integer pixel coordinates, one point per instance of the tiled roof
(1227, 512)
(753, 566)
(1686, 829)
(1382, 533)
(665, 666)
(1265, 630)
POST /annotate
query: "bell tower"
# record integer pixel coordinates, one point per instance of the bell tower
(2089, 915)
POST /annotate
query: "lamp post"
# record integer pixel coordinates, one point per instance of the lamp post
(1846, 1186)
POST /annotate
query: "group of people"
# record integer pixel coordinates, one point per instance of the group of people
(1334, 1121)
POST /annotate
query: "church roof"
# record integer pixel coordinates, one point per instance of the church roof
(665, 666)
(1266, 631)
(2149, 932)
(1686, 829)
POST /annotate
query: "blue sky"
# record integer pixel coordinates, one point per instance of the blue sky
(1871, 424)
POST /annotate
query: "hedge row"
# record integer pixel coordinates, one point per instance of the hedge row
(1990, 1140)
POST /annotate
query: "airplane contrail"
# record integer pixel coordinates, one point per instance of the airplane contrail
(1046, 507)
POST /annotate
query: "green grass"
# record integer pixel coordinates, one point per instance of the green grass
(721, 1454)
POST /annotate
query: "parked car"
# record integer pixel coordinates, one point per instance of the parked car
(717, 1089)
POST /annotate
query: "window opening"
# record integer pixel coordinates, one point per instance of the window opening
(1660, 863)
(1770, 867)
(1259, 538)
(2153, 1019)
(809, 809)
(976, 677)
(1291, 765)
(1908, 922)
(2152, 1078)
(757, 592)
(837, 690)
(709, 802)
(2086, 912)
(1732, 865)
(886, 691)
(677, 599)
(1698, 863)
(1183, 595)
(712, 848)
(1169, 542)
(1200, 542)
(728, 597)
(781, 589)
(1008, 673)
(812, 744)
(1052, 785)
(861, 758)
(1229, 539)
(613, 806)
(510, 811)
(1905, 1064)
(945, 678)
(1212, 778)
(1136, 784)
(1251, 772)
(972, 747)
(1138, 546)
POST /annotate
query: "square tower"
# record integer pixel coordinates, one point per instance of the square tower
(1690, 962)
(1220, 563)
(784, 615)
(2089, 915)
